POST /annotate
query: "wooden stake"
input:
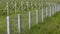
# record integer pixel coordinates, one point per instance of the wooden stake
(36, 16)
(29, 20)
(19, 23)
(8, 25)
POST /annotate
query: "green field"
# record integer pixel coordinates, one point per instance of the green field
(51, 25)
(24, 17)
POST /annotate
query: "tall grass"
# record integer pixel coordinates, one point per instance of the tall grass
(24, 14)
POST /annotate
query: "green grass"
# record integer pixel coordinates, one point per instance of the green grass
(11, 9)
(24, 18)
(51, 25)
